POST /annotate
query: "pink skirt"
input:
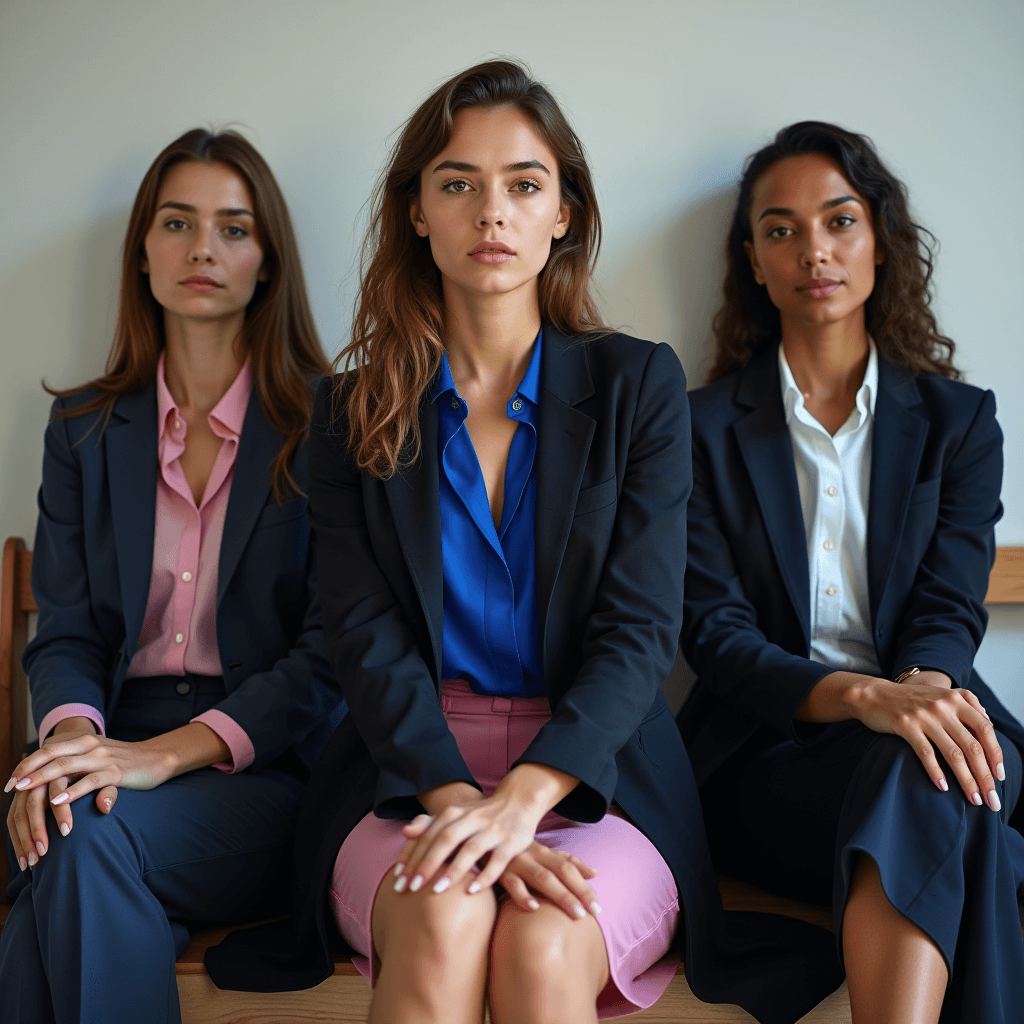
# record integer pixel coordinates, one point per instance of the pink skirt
(636, 890)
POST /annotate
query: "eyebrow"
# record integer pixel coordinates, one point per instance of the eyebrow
(458, 165)
(785, 211)
(227, 211)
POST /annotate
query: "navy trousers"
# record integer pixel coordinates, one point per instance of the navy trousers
(792, 819)
(98, 922)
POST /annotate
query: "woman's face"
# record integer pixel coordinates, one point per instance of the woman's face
(203, 256)
(814, 245)
(490, 203)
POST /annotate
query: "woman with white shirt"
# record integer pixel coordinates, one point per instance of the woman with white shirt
(840, 537)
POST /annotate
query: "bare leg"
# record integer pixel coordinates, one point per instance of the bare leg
(894, 972)
(433, 955)
(546, 968)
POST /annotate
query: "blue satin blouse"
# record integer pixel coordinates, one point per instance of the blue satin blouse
(491, 635)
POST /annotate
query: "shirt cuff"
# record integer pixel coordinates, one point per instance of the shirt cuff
(58, 714)
(237, 739)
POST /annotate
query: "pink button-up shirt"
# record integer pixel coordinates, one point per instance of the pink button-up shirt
(179, 631)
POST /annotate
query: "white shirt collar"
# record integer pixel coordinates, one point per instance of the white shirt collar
(793, 399)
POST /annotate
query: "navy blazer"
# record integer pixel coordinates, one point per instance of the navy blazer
(612, 484)
(93, 561)
(936, 471)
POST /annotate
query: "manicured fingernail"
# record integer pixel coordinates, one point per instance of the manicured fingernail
(60, 798)
(107, 804)
(579, 911)
(32, 858)
(41, 849)
(595, 907)
(993, 800)
(24, 784)
(943, 785)
(976, 799)
(441, 884)
(533, 904)
(23, 863)
(414, 885)
(474, 887)
(64, 827)
(399, 868)
(10, 784)
(401, 884)
(1000, 772)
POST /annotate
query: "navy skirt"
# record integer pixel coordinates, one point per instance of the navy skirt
(791, 818)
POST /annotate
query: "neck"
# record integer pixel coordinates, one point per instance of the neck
(828, 361)
(489, 338)
(202, 361)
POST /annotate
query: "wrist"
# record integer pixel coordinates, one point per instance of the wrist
(76, 724)
(536, 788)
(440, 798)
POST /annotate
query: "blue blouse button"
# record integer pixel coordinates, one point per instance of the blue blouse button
(455, 403)
(517, 404)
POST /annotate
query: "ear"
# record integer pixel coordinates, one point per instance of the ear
(748, 248)
(419, 222)
(562, 223)
(879, 257)
(264, 274)
(144, 265)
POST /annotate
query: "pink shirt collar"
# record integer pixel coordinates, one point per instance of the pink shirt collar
(226, 417)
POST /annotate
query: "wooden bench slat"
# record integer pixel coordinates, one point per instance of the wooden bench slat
(1006, 581)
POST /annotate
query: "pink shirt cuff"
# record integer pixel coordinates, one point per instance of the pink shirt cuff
(58, 714)
(237, 739)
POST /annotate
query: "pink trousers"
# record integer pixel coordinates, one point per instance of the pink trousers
(640, 905)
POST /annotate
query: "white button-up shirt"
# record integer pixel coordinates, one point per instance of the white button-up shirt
(834, 477)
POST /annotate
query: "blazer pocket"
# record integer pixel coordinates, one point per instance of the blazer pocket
(927, 490)
(593, 499)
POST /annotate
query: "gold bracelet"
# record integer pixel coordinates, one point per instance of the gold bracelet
(906, 674)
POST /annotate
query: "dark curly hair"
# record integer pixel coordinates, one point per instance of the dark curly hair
(897, 313)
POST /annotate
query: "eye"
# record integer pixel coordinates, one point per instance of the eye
(779, 231)
(844, 220)
(456, 186)
(236, 231)
(526, 186)
(175, 224)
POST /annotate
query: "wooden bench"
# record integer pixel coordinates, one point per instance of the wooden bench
(346, 995)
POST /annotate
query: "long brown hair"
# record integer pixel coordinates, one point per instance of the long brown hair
(398, 328)
(897, 314)
(279, 337)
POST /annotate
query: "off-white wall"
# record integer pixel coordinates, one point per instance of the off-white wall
(668, 97)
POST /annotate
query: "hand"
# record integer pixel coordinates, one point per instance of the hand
(557, 875)
(97, 764)
(928, 716)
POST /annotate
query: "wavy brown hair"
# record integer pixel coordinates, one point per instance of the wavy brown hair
(897, 314)
(398, 327)
(279, 337)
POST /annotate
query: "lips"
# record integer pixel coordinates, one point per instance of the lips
(819, 287)
(201, 283)
(491, 247)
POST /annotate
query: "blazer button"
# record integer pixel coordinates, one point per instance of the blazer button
(183, 688)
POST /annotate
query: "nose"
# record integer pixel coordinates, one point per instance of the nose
(818, 249)
(201, 250)
(492, 210)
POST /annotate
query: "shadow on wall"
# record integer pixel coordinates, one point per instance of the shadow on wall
(667, 286)
(60, 305)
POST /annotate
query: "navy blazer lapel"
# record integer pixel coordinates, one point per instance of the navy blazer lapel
(415, 501)
(563, 443)
(130, 442)
(767, 451)
(250, 487)
(897, 444)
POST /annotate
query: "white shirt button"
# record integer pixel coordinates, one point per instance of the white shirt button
(178, 637)
(187, 576)
(828, 546)
(832, 491)
(830, 590)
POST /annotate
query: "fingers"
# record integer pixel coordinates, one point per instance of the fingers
(518, 892)
(554, 875)
(62, 812)
(17, 825)
(987, 736)
(85, 785)
(448, 831)
(58, 767)
(926, 753)
(966, 755)
(106, 798)
(22, 778)
(413, 831)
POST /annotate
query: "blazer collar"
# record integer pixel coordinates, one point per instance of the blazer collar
(764, 443)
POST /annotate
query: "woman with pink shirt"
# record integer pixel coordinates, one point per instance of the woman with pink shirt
(178, 677)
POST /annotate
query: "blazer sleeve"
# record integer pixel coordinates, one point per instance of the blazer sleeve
(278, 708)
(68, 660)
(944, 620)
(721, 640)
(632, 633)
(388, 686)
